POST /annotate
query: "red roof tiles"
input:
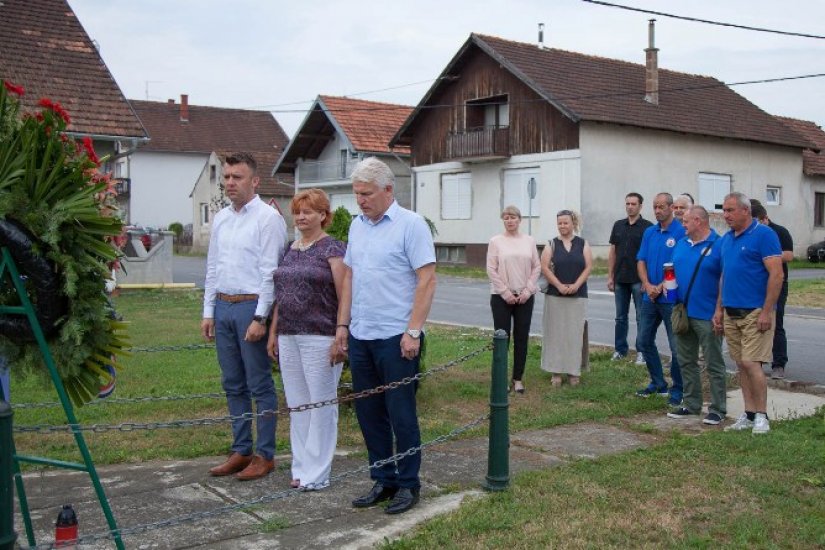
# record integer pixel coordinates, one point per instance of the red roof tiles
(44, 48)
(813, 161)
(208, 129)
(369, 125)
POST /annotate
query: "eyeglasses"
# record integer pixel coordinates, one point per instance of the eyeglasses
(564, 213)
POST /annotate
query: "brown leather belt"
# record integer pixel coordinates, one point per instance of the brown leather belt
(235, 298)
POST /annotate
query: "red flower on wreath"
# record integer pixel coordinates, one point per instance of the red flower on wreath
(14, 88)
(56, 108)
(90, 150)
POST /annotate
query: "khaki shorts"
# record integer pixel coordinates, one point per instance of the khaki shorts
(745, 342)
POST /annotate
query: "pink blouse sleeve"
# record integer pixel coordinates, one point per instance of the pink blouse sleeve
(493, 268)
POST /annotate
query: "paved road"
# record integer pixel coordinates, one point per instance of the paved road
(466, 302)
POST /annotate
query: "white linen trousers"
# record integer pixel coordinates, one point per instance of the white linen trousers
(309, 377)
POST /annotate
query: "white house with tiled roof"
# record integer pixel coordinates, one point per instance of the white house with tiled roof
(176, 175)
(585, 131)
(336, 133)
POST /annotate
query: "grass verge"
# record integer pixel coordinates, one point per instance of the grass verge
(807, 293)
(171, 317)
(717, 490)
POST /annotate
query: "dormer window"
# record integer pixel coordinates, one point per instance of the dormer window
(488, 113)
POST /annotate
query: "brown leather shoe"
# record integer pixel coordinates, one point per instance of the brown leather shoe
(235, 463)
(258, 468)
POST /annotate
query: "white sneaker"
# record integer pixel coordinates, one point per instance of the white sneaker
(761, 424)
(617, 356)
(742, 423)
(640, 359)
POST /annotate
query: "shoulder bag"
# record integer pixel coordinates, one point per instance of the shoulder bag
(679, 318)
(544, 284)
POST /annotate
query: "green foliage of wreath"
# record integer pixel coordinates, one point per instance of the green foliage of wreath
(50, 185)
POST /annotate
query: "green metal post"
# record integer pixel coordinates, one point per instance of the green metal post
(7, 534)
(498, 452)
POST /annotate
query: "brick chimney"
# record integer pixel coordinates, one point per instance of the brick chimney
(170, 102)
(184, 108)
(651, 67)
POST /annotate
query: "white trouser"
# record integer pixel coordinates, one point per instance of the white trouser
(308, 377)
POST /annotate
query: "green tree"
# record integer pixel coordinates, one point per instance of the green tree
(341, 220)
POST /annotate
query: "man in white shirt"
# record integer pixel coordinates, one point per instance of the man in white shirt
(247, 240)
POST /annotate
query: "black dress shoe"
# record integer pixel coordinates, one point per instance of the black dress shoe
(377, 494)
(403, 500)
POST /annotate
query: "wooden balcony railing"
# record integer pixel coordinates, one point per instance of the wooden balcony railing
(478, 143)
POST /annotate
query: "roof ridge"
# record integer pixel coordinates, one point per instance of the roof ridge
(335, 97)
(592, 56)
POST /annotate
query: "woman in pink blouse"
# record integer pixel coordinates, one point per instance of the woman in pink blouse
(513, 268)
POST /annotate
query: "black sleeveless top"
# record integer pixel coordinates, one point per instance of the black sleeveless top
(567, 266)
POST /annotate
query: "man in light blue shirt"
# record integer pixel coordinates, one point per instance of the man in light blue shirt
(388, 290)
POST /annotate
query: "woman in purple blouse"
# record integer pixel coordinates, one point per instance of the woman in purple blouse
(302, 334)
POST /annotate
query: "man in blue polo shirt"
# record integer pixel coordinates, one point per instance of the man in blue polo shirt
(751, 281)
(699, 293)
(657, 247)
(388, 289)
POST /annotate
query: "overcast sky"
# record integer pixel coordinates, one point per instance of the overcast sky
(266, 53)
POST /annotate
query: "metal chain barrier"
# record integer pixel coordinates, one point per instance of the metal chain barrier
(246, 417)
(198, 516)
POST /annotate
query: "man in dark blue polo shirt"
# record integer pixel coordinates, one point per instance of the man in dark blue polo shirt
(622, 276)
(751, 281)
(699, 245)
(657, 247)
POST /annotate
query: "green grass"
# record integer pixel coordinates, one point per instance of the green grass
(799, 263)
(717, 490)
(163, 318)
(807, 292)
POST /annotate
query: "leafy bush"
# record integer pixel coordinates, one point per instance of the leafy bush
(176, 228)
(341, 220)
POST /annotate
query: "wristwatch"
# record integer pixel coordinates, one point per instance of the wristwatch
(414, 333)
(260, 319)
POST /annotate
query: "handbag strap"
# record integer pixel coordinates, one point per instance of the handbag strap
(705, 252)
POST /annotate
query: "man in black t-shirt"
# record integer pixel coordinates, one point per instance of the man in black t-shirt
(622, 277)
(780, 340)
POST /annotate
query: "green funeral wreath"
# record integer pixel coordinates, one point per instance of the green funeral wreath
(51, 189)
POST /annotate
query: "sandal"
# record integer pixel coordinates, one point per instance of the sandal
(555, 381)
(518, 387)
(295, 483)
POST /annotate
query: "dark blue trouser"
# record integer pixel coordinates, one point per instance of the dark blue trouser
(780, 341)
(389, 416)
(653, 315)
(246, 373)
(623, 293)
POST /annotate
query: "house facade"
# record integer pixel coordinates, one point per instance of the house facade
(582, 131)
(207, 196)
(44, 48)
(811, 207)
(184, 138)
(335, 135)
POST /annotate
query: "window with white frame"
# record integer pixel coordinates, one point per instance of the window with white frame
(516, 191)
(773, 195)
(347, 200)
(712, 190)
(456, 196)
(204, 213)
